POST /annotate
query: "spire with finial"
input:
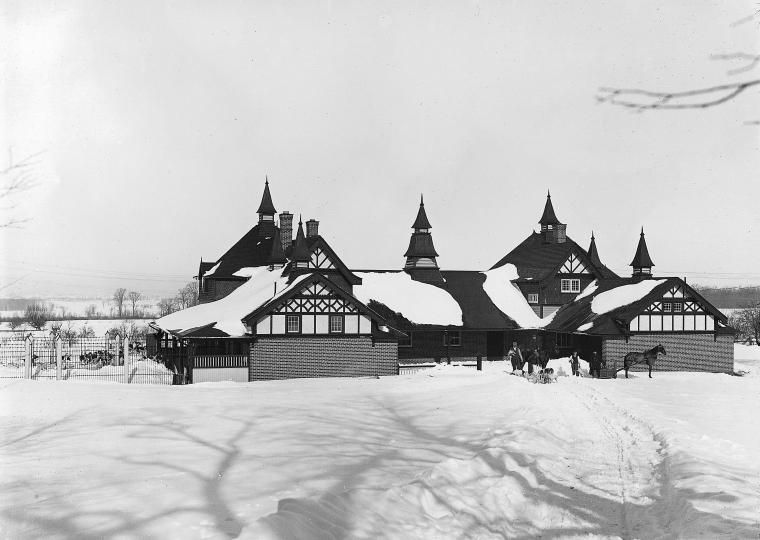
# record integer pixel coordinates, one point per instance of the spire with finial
(277, 254)
(421, 222)
(642, 263)
(421, 254)
(552, 230)
(300, 255)
(593, 254)
(548, 217)
(266, 208)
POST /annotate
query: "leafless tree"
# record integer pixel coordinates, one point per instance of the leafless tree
(134, 297)
(16, 178)
(91, 311)
(118, 298)
(641, 100)
(37, 314)
(86, 332)
(747, 323)
(187, 296)
(166, 306)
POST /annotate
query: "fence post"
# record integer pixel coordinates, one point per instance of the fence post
(115, 361)
(126, 359)
(28, 357)
(58, 359)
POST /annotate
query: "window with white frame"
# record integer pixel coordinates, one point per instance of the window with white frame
(570, 285)
(677, 307)
(533, 298)
(336, 324)
(454, 338)
(667, 307)
(293, 324)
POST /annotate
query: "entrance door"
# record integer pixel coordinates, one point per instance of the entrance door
(495, 345)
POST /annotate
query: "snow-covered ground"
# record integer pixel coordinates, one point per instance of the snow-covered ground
(444, 453)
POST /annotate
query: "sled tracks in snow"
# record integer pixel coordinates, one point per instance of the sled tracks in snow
(642, 467)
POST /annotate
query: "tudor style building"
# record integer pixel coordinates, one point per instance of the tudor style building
(552, 268)
(277, 307)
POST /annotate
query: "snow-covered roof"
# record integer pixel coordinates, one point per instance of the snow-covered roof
(508, 298)
(226, 313)
(622, 296)
(213, 269)
(421, 303)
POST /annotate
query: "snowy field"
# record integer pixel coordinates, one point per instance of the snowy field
(446, 453)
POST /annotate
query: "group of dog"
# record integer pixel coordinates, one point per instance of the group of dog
(539, 376)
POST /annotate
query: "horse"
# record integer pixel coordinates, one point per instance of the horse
(631, 359)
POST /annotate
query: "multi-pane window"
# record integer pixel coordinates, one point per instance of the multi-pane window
(336, 324)
(293, 324)
(533, 298)
(570, 285)
(454, 338)
(667, 307)
(677, 308)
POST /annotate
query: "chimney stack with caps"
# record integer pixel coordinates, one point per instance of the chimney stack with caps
(286, 229)
(312, 228)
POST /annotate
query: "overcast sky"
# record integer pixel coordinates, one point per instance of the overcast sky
(160, 120)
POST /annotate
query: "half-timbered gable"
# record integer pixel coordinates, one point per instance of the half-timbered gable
(320, 257)
(680, 309)
(316, 307)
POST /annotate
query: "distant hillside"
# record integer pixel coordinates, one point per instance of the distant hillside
(730, 297)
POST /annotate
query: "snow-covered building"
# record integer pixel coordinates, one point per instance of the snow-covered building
(277, 307)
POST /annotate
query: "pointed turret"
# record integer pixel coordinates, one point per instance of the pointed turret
(421, 254)
(300, 255)
(266, 208)
(551, 229)
(548, 217)
(421, 223)
(277, 257)
(593, 254)
(642, 262)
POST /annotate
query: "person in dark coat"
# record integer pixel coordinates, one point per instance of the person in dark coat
(595, 365)
(575, 364)
(543, 358)
(533, 359)
(515, 356)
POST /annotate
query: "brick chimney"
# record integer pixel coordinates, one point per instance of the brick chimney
(286, 229)
(312, 228)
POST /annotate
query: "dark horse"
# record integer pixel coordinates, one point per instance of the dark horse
(631, 359)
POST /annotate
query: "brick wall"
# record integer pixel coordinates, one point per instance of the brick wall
(429, 347)
(290, 358)
(685, 352)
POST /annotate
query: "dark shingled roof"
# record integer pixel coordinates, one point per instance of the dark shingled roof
(421, 222)
(536, 259)
(549, 217)
(205, 267)
(577, 313)
(421, 245)
(478, 311)
(277, 254)
(301, 251)
(266, 206)
(251, 250)
(642, 258)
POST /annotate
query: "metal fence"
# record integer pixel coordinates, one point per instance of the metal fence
(81, 359)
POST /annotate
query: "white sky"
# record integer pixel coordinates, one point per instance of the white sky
(160, 120)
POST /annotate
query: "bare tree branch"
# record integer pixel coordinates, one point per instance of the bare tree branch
(17, 178)
(673, 100)
(752, 59)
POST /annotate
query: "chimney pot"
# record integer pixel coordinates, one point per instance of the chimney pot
(286, 229)
(312, 228)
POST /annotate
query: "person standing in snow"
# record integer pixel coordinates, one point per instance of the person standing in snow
(595, 365)
(532, 359)
(575, 364)
(543, 358)
(515, 356)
